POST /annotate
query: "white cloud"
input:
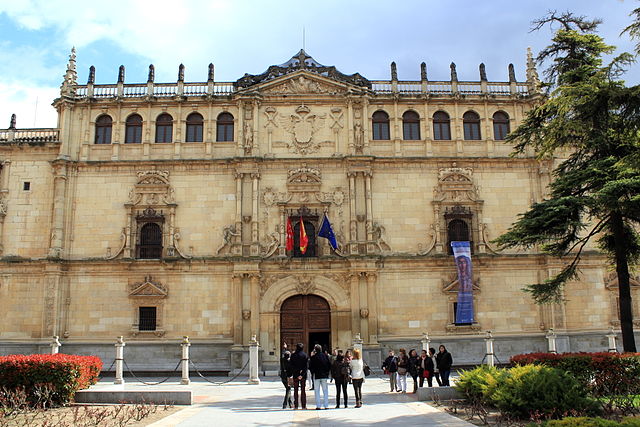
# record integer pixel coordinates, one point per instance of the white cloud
(22, 100)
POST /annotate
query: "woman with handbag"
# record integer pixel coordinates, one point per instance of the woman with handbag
(357, 376)
(425, 369)
(403, 368)
(340, 373)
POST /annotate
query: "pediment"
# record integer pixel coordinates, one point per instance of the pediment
(452, 285)
(148, 288)
(301, 83)
(611, 281)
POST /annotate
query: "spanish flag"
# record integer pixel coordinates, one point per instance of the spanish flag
(289, 235)
(304, 240)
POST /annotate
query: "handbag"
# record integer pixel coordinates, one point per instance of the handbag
(425, 374)
(366, 370)
(290, 381)
(402, 371)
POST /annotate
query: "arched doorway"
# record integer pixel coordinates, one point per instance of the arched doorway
(305, 319)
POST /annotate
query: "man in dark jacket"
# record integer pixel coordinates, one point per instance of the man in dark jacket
(298, 365)
(320, 367)
(390, 367)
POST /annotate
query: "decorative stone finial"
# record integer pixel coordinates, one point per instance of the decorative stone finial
(483, 73)
(423, 71)
(454, 73)
(152, 74)
(181, 73)
(532, 72)
(12, 123)
(121, 74)
(92, 75)
(512, 74)
(394, 71)
(68, 87)
(210, 75)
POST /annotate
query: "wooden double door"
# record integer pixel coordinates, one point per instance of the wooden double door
(305, 319)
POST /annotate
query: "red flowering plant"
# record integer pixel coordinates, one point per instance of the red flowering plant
(64, 374)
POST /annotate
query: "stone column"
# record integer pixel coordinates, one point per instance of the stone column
(357, 343)
(254, 346)
(353, 224)
(355, 302)
(369, 214)
(611, 336)
(254, 294)
(489, 345)
(551, 341)
(350, 126)
(237, 249)
(59, 191)
(55, 345)
(425, 341)
(236, 300)
(185, 361)
(372, 305)
(255, 237)
(119, 360)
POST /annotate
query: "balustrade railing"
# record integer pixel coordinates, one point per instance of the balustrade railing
(30, 135)
(380, 87)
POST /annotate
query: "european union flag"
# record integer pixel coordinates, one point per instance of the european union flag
(327, 232)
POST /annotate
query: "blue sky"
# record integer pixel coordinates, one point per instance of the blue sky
(247, 36)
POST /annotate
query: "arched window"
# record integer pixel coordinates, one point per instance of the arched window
(500, 125)
(194, 127)
(310, 229)
(224, 131)
(133, 131)
(471, 125)
(103, 129)
(410, 126)
(457, 231)
(380, 125)
(164, 128)
(441, 126)
(150, 246)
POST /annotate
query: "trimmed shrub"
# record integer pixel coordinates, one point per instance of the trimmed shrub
(63, 374)
(603, 374)
(592, 422)
(478, 384)
(541, 392)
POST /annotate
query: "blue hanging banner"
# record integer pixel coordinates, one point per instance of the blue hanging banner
(462, 257)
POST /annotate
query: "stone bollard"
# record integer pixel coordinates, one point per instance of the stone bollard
(613, 348)
(185, 361)
(357, 343)
(551, 340)
(253, 360)
(489, 343)
(425, 341)
(55, 345)
(119, 360)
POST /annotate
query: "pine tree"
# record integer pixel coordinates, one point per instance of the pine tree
(592, 119)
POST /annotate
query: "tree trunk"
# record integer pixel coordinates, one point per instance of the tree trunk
(624, 288)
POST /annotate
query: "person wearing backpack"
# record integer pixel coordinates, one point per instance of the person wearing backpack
(390, 367)
(340, 373)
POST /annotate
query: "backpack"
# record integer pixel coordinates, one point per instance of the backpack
(344, 369)
(366, 370)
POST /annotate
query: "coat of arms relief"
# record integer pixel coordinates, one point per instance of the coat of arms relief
(302, 125)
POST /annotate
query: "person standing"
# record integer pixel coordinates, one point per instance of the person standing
(425, 369)
(444, 361)
(357, 376)
(436, 372)
(298, 363)
(320, 368)
(413, 368)
(285, 375)
(403, 367)
(340, 374)
(390, 367)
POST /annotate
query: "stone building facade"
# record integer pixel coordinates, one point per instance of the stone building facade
(155, 211)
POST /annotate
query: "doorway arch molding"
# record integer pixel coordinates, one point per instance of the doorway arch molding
(289, 286)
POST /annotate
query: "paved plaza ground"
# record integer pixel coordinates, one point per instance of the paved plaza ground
(240, 404)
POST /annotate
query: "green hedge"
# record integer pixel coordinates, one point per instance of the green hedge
(591, 422)
(62, 374)
(530, 391)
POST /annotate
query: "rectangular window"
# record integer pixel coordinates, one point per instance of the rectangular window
(194, 133)
(26, 186)
(147, 320)
(133, 135)
(381, 131)
(471, 131)
(441, 131)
